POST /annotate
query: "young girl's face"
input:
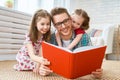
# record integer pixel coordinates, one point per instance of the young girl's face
(43, 25)
(77, 21)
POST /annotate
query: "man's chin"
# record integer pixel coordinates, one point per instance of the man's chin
(65, 34)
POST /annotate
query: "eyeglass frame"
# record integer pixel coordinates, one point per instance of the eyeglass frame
(65, 22)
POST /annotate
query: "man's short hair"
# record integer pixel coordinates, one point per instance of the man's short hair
(58, 10)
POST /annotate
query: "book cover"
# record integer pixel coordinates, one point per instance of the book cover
(68, 64)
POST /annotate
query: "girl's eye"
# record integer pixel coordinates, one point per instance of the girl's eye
(42, 23)
(78, 24)
(73, 21)
(48, 24)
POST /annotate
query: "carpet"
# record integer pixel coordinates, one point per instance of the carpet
(8, 73)
(111, 71)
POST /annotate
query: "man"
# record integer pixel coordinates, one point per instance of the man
(63, 24)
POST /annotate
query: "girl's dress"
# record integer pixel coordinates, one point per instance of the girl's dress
(22, 57)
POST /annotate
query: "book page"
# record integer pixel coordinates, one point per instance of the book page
(84, 48)
(80, 49)
(62, 48)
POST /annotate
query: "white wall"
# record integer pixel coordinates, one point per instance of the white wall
(28, 6)
(100, 11)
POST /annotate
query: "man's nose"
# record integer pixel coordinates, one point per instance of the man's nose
(63, 25)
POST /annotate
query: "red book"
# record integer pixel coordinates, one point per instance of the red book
(75, 64)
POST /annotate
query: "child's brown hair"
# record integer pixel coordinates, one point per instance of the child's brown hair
(33, 33)
(84, 14)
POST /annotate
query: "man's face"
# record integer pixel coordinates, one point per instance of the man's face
(62, 23)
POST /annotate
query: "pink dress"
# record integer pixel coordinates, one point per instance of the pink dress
(22, 57)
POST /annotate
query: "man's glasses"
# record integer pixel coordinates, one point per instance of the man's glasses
(65, 22)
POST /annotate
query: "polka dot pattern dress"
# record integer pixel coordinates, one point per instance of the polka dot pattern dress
(22, 57)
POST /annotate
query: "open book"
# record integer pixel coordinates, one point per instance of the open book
(75, 64)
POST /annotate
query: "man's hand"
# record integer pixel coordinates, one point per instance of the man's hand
(98, 73)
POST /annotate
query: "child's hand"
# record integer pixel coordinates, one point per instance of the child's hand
(44, 70)
(44, 61)
(36, 70)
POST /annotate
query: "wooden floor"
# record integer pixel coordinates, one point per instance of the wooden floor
(111, 72)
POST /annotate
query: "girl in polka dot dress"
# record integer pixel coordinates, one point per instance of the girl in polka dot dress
(28, 57)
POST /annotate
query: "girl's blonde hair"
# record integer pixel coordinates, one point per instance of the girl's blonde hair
(84, 14)
(33, 32)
